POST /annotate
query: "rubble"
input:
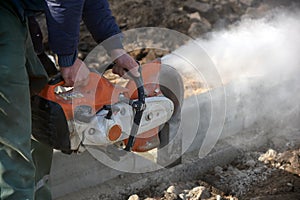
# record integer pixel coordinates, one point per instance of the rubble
(248, 176)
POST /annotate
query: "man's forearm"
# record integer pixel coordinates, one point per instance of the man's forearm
(102, 25)
(63, 21)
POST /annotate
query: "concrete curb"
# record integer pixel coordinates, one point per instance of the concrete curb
(124, 185)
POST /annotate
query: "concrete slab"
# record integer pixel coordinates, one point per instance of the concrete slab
(70, 173)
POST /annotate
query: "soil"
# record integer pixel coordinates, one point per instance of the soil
(268, 172)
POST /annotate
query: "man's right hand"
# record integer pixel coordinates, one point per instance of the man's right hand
(77, 74)
(123, 63)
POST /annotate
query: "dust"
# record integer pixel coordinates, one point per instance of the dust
(266, 47)
(257, 63)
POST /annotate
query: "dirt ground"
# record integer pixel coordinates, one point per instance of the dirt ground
(267, 172)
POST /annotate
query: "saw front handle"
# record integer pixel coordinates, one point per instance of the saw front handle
(138, 106)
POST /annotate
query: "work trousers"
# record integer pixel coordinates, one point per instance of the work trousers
(24, 164)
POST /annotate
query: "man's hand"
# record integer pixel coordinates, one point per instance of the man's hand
(124, 63)
(77, 72)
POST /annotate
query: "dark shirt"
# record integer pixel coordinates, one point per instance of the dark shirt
(63, 21)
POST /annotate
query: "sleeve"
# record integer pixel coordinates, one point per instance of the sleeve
(102, 25)
(63, 21)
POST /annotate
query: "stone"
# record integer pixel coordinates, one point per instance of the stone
(268, 156)
(237, 8)
(194, 15)
(170, 196)
(182, 196)
(134, 197)
(212, 16)
(171, 189)
(218, 7)
(191, 6)
(247, 2)
(199, 192)
(218, 170)
(198, 28)
(251, 163)
(205, 194)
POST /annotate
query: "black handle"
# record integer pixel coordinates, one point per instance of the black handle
(139, 105)
(139, 85)
(138, 81)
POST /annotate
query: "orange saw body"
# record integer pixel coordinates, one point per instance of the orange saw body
(101, 113)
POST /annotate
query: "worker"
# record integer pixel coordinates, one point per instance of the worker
(25, 163)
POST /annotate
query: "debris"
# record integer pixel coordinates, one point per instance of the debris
(134, 197)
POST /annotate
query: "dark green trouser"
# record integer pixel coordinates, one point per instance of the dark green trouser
(22, 163)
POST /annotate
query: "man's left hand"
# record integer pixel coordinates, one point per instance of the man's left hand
(77, 74)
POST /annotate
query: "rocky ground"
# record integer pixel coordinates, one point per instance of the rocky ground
(190, 17)
(268, 172)
(255, 175)
(193, 18)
